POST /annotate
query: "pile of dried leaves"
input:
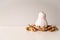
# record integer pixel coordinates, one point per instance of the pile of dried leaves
(35, 28)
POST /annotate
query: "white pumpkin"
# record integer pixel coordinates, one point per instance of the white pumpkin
(41, 20)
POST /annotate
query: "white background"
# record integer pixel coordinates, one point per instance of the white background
(23, 12)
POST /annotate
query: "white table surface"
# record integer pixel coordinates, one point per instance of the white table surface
(19, 33)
